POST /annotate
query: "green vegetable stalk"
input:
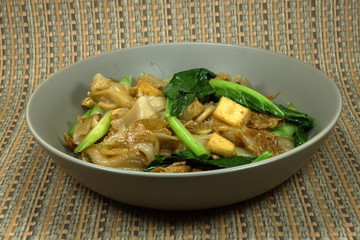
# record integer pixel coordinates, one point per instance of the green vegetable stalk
(245, 96)
(299, 123)
(181, 92)
(127, 81)
(285, 130)
(96, 133)
(263, 156)
(91, 111)
(184, 135)
(96, 110)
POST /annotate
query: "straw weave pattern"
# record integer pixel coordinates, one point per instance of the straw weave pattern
(38, 200)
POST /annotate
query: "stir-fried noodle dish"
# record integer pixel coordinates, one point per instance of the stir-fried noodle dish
(195, 120)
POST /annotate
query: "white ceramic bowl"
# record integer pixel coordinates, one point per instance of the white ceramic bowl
(54, 104)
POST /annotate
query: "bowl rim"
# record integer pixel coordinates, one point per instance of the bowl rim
(318, 137)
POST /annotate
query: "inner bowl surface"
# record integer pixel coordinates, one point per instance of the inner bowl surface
(55, 103)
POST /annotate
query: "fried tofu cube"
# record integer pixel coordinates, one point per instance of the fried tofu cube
(220, 145)
(232, 113)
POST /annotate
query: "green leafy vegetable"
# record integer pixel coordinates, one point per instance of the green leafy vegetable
(181, 92)
(96, 133)
(259, 103)
(292, 106)
(203, 162)
(245, 96)
(297, 118)
(127, 81)
(168, 79)
(301, 136)
(263, 156)
(285, 130)
(185, 86)
(297, 122)
(291, 130)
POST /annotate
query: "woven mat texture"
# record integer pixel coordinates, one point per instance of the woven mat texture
(38, 200)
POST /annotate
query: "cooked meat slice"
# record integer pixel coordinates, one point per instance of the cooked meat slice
(224, 76)
(154, 81)
(198, 127)
(206, 113)
(153, 124)
(177, 167)
(192, 111)
(69, 141)
(263, 121)
(241, 80)
(147, 89)
(88, 102)
(84, 125)
(259, 141)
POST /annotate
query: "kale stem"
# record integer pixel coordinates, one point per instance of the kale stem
(91, 111)
(285, 130)
(246, 97)
(96, 133)
(264, 155)
(186, 137)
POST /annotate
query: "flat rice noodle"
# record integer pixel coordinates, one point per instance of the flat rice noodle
(153, 124)
(169, 142)
(117, 125)
(108, 106)
(148, 149)
(136, 136)
(286, 143)
(157, 103)
(233, 134)
(110, 93)
(204, 138)
(142, 109)
(100, 82)
(116, 96)
(130, 158)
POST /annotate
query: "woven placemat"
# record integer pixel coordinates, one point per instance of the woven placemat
(38, 200)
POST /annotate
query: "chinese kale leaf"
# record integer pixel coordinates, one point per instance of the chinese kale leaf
(203, 162)
(185, 86)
